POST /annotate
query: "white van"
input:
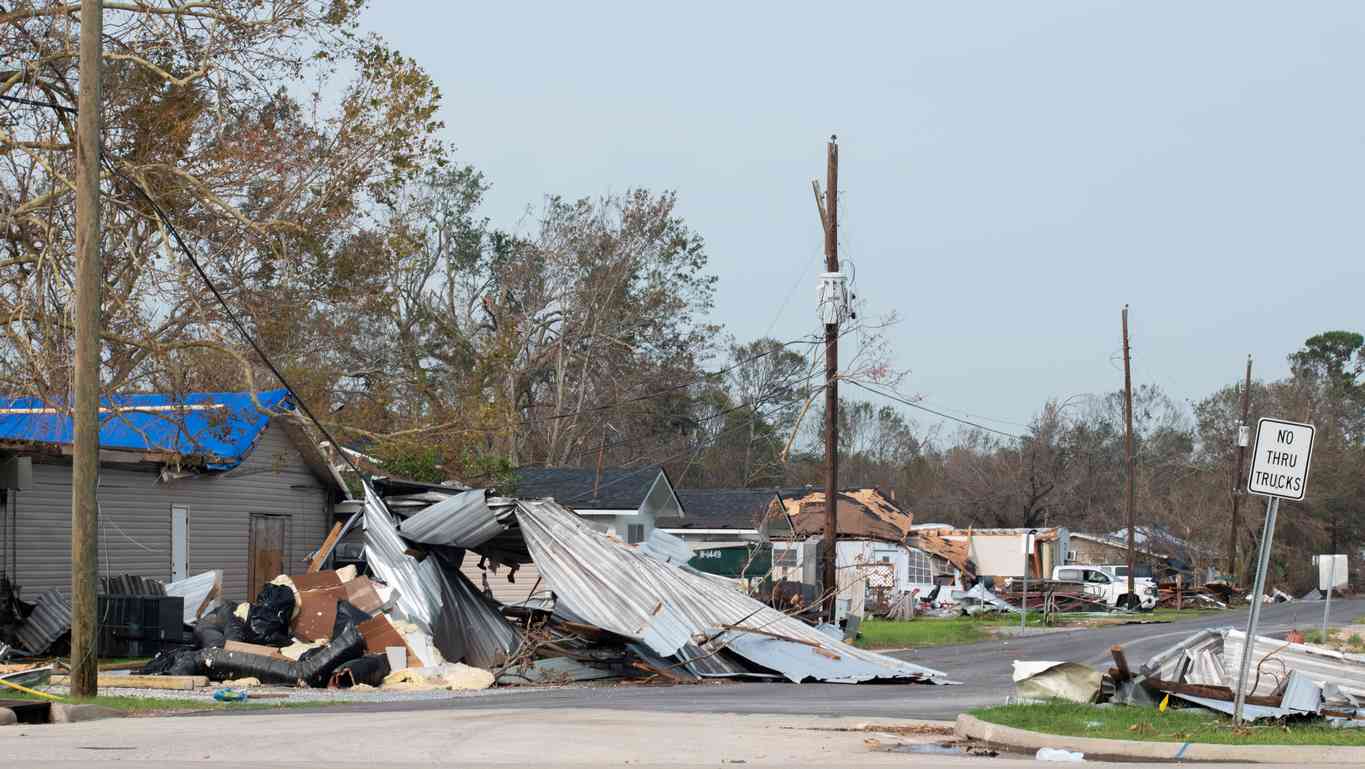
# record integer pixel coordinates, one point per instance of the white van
(1110, 588)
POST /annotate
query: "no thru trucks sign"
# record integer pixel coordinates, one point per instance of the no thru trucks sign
(1279, 467)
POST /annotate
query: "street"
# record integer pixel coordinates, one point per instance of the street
(750, 724)
(982, 668)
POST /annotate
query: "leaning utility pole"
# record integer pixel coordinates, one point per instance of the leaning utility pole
(831, 223)
(85, 441)
(1128, 448)
(1242, 441)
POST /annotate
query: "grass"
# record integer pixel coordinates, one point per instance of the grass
(1352, 643)
(161, 706)
(1150, 725)
(935, 631)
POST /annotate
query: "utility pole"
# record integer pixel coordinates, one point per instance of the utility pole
(1243, 434)
(85, 466)
(831, 223)
(1128, 449)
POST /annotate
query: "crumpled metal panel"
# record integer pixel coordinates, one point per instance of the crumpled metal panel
(1323, 666)
(612, 586)
(666, 547)
(1205, 668)
(197, 592)
(1168, 663)
(51, 616)
(800, 662)
(460, 520)
(427, 596)
(489, 639)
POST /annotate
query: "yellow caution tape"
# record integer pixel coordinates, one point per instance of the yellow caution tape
(1164, 702)
(33, 692)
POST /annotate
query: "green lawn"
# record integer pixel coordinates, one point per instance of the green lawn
(152, 706)
(1149, 725)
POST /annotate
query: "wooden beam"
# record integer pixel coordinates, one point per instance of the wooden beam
(325, 549)
(185, 683)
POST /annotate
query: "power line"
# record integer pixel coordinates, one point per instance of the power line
(912, 404)
(227, 310)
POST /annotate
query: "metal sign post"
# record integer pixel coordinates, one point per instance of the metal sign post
(1272, 509)
(1279, 469)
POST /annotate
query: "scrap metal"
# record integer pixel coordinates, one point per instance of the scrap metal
(610, 585)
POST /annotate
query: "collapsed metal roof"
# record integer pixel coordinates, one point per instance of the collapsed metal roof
(645, 595)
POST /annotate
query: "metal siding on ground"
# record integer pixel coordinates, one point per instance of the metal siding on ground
(616, 588)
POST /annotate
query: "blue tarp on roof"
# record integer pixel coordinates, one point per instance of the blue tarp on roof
(219, 428)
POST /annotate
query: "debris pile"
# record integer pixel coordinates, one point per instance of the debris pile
(1288, 680)
(608, 609)
(407, 618)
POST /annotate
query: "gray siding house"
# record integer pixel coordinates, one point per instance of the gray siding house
(254, 506)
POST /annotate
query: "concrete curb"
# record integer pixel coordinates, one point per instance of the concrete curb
(64, 713)
(971, 727)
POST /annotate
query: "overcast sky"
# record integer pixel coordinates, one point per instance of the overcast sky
(1011, 173)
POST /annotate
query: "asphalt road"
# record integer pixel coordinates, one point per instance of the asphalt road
(982, 668)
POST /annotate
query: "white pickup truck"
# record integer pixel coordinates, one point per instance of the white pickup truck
(1100, 583)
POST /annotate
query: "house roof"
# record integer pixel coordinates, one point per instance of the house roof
(217, 429)
(617, 488)
(861, 514)
(721, 508)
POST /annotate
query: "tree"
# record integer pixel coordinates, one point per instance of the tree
(203, 113)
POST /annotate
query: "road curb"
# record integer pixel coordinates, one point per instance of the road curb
(1007, 737)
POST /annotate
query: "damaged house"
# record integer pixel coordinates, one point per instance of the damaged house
(207, 481)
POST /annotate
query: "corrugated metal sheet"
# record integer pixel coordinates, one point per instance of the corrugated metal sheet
(197, 592)
(50, 618)
(460, 520)
(460, 624)
(612, 586)
(666, 547)
(1168, 663)
(1323, 666)
(827, 663)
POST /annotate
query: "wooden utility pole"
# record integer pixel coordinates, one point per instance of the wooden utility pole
(1128, 449)
(831, 380)
(85, 466)
(1237, 479)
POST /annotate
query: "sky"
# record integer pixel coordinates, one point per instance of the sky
(1011, 174)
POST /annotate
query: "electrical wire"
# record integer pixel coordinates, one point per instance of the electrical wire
(912, 404)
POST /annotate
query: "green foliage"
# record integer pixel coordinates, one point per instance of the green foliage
(1147, 724)
(410, 460)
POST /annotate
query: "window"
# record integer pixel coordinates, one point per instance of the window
(921, 567)
(784, 557)
(1097, 577)
(1069, 575)
(635, 533)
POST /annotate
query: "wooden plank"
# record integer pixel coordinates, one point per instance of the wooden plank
(325, 549)
(185, 683)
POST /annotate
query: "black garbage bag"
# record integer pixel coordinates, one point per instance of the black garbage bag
(315, 667)
(175, 663)
(347, 615)
(369, 669)
(208, 636)
(223, 665)
(267, 622)
(235, 629)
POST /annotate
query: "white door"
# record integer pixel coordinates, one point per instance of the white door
(180, 542)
